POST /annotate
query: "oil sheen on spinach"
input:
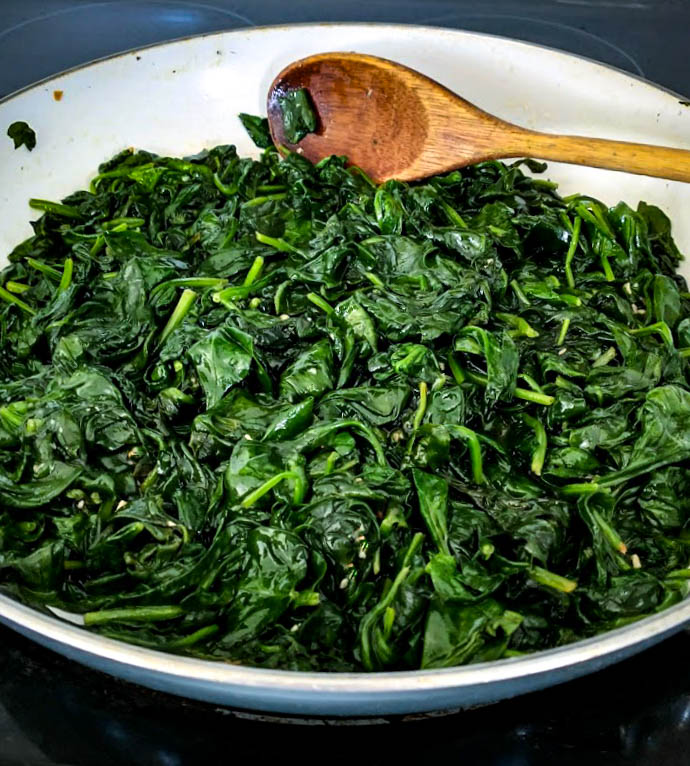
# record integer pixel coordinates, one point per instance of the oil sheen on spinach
(267, 412)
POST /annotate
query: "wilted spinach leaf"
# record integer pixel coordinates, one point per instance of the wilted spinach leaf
(257, 127)
(297, 114)
(22, 135)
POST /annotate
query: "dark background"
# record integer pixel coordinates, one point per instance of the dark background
(55, 712)
(646, 37)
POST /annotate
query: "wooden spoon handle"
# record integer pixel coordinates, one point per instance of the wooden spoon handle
(644, 159)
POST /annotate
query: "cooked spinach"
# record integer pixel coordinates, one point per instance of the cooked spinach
(258, 130)
(22, 135)
(297, 115)
(268, 412)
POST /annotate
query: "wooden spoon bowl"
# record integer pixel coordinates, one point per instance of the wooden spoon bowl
(394, 122)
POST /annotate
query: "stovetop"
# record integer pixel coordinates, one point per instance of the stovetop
(646, 37)
(55, 712)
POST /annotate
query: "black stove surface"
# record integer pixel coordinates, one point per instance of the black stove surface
(53, 711)
(646, 37)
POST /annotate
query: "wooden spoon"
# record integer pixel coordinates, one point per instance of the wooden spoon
(394, 122)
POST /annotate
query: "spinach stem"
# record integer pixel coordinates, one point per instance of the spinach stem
(216, 282)
(364, 176)
(605, 357)
(418, 415)
(267, 486)
(521, 327)
(566, 221)
(193, 168)
(97, 245)
(370, 436)
(180, 311)
(539, 454)
(324, 305)
(534, 396)
(610, 535)
(254, 272)
(306, 598)
(268, 188)
(236, 292)
(57, 208)
(118, 173)
(127, 222)
(453, 215)
(262, 489)
(475, 450)
(133, 614)
(228, 190)
(16, 287)
(574, 241)
(520, 295)
(661, 328)
(595, 218)
(456, 370)
(531, 382)
(388, 622)
(678, 574)
(421, 407)
(552, 580)
(266, 198)
(66, 279)
(331, 460)
(276, 242)
(44, 268)
(376, 281)
(584, 488)
(518, 393)
(9, 298)
(564, 329)
(193, 638)
(608, 272)
(278, 297)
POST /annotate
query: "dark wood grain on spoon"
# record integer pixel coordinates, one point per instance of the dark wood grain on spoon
(394, 122)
